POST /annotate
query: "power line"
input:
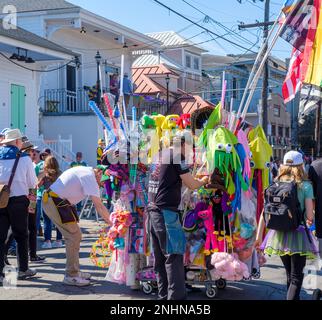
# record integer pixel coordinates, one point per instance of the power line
(200, 26)
(212, 20)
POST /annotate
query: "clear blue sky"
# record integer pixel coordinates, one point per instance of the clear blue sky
(147, 16)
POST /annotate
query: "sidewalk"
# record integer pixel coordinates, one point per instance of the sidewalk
(48, 283)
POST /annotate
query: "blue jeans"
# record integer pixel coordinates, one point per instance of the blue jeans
(175, 240)
(39, 213)
(48, 229)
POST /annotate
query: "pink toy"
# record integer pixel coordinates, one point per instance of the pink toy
(242, 139)
(121, 222)
(228, 267)
(211, 244)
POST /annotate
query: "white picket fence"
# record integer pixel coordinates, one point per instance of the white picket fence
(60, 148)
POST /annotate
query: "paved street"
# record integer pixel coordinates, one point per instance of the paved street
(48, 285)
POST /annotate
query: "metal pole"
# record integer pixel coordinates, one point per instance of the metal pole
(266, 73)
(168, 102)
(260, 69)
(98, 99)
(318, 130)
(260, 55)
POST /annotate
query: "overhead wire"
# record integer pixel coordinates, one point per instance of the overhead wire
(200, 26)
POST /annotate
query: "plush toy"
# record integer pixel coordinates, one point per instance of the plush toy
(147, 123)
(261, 152)
(228, 267)
(221, 154)
(159, 120)
(184, 122)
(170, 122)
(211, 244)
(121, 222)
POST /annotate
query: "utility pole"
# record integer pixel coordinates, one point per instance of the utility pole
(264, 111)
(318, 131)
(263, 116)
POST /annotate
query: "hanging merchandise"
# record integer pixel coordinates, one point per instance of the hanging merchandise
(228, 267)
(184, 122)
(261, 155)
(101, 253)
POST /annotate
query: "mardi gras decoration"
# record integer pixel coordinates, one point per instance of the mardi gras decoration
(221, 154)
(262, 153)
(184, 122)
(159, 120)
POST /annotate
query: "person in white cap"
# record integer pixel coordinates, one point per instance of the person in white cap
(15, 215)
(294, 246)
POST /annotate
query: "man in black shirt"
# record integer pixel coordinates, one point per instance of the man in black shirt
(315, 175)
(168, 239)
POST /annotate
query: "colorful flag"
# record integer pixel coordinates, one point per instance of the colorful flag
(312, 68)
(292, 83)
(307, 69)
(311, 98)
(297, 24)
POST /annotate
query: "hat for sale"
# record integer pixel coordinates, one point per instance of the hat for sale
(293, 158)
(12, 135)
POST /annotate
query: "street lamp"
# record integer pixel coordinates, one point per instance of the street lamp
(167, 80)
(98, 59)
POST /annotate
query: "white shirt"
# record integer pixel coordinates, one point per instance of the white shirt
(24, 179)
(76, 184)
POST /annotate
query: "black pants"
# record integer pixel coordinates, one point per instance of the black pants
(32, 227)
(168, 267)
(294, 266)
(8, 242)
(15, 215)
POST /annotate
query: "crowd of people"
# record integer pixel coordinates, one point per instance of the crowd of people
(38, 189)
(34, 178)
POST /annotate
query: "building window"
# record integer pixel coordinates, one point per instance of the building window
(273, 130)
(196, 63)
(287, 132)
(188, 61)
(277, 111)
(280, 131)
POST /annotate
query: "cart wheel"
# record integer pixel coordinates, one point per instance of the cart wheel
(147, 288)
(256, 274)
(211, 292)
(154, 285)
(317, 294)
(221, 284)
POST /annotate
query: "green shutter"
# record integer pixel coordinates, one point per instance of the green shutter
(18, 107)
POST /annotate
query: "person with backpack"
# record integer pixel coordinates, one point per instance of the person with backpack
(287, 212)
